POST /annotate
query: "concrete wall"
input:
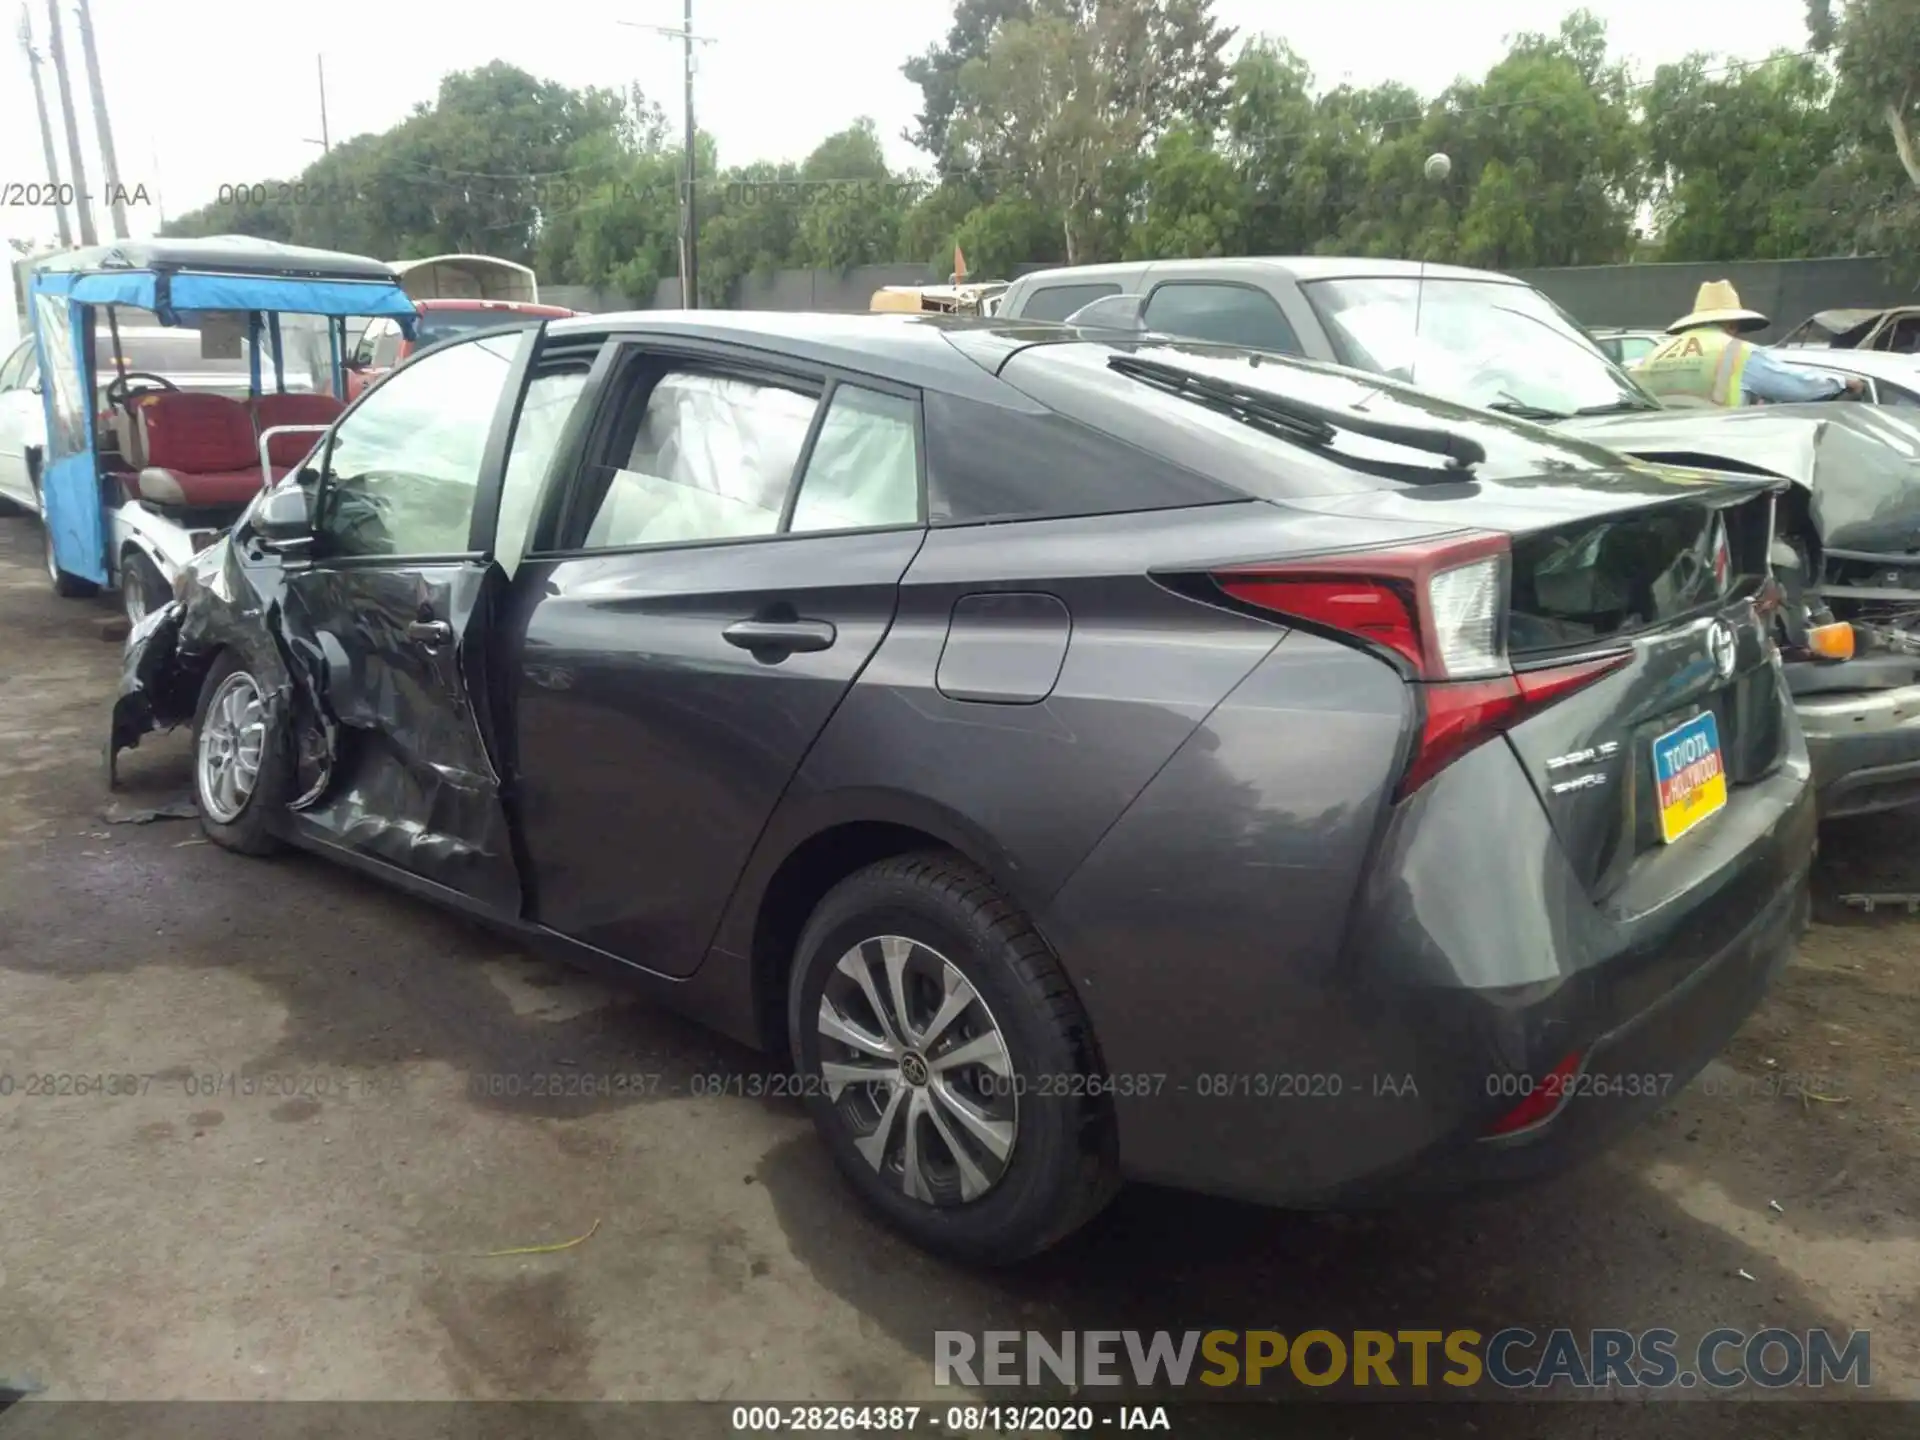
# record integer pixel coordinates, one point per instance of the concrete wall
(587, 298)
(1652, 297)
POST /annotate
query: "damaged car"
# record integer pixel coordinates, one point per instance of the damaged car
(1848, 549)
(1033, 742)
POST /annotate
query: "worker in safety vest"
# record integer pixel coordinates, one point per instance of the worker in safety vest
(1707, 360)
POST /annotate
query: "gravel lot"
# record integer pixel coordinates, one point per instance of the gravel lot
(301, 1201)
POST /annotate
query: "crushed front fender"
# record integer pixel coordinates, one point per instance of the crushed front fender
(217, 606)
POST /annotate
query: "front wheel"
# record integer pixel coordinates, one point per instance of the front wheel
(142, 588)
(240, 770)
(947, 1062)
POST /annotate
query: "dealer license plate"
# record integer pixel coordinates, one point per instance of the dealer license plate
(1690, 781)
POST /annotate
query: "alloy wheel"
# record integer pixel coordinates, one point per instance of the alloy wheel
(917, 1069)
(133, 594)
(232, 740)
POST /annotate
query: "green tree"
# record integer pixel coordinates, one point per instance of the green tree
(1010, 231)
(937, 72)
(1736, 156)
(852, 205)
(932, 224)
(1062, 100)
(1870, 195)
(613, 220)
(750, 225)
(1192, 201)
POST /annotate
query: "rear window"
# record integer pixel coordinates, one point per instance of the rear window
(1621, 574)
(1228, 314)
(438, 325)
(164, 354)
(1076, 381)
(1057, 302)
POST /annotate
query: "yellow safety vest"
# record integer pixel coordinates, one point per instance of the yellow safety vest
(1704, 364)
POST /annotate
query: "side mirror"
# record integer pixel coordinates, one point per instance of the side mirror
(282, 520)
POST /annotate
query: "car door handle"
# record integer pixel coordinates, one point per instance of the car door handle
(785, 636)
(430, 632)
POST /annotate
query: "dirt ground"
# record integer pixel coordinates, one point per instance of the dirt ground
(302, 1201)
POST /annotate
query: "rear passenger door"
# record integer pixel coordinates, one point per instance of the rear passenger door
(697, 596)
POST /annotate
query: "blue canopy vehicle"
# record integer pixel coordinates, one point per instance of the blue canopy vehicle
(135, 479)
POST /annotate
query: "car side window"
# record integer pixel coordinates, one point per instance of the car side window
(13, 374)
(404, 467)
(386, 346)
(1226, 314)
(1057, 302)
(550, 401)
(864, 469)
(712, 459)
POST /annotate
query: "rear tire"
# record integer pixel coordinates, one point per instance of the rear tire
(67, 587)
(241, 772)
(142, 588)
(989, 1160)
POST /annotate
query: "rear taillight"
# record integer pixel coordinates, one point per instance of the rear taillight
(1542, 1100)
(1437, 610)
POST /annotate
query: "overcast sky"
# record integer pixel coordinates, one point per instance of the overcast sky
(212, 92)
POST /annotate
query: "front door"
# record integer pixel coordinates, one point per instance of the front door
(390, 612)
(725, 563)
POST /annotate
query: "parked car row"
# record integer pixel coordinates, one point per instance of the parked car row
(1313, 731)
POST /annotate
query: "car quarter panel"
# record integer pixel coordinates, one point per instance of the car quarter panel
(648, 749)
(1205, 933)
(1027, 788)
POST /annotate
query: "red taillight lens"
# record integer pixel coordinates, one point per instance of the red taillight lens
(1438, 609)
(1439, 605)
(1547, 1096)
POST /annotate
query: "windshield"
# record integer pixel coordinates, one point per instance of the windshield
(1483, 343)
(438, 325)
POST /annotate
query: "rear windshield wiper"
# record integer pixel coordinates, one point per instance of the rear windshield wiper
(1295, 420)
(1521, 410)
(1616, 407)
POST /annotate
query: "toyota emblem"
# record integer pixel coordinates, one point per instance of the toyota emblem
(1723, 647)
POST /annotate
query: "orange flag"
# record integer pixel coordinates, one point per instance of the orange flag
(959, 264)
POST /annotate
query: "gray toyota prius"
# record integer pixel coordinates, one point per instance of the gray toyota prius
(1070, 760)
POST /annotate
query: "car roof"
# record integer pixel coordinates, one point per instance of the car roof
(474, 302)
(228, 254)
(1880, 364)
(953, 352)
(1301, 268)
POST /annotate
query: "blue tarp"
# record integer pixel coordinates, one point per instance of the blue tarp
(189, 292)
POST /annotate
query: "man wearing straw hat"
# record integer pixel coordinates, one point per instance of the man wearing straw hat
(1707, 362)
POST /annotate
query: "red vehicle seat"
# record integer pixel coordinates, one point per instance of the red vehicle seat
(199, 450)
(310, 408)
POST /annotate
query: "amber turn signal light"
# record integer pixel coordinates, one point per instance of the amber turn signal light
(1831, 642)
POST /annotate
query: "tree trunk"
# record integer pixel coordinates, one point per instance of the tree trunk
(1066, 230)
(1903, 142)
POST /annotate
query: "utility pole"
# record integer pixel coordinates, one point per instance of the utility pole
(325, 142)
(116, 198)
(46, 126)
(82, 205)
(690, 213)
